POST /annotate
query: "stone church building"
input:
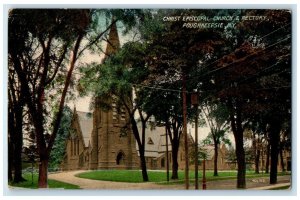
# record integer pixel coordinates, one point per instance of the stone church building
(103, 139)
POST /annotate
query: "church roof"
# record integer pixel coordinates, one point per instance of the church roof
(86, 124)
(155, 141)
(210, 150)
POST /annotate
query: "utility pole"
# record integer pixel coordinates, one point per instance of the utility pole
(167, 152)
(195, 103)
(185, 132)
(204, 177)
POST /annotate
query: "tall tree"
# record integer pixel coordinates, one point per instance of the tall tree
(216, 116)
(39, 42)
(285, 143)
(173, 53)
(166, 108)
(15, 123)
(238, 75)
(257, 129)
(46, 36)
(275, 80)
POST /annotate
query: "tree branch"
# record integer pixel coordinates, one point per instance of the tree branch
(73, 59)
(96, 39)
(58, 65)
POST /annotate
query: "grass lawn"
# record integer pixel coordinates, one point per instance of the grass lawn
(135, 176)
(51, 183)
(131, 176)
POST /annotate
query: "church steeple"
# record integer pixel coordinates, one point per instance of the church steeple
(113, 43)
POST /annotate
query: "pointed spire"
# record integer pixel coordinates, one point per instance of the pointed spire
(74, 109)
(113, 43)
(75, 114)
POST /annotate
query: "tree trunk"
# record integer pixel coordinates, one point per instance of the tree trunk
(18, 144)
(10, 144)
(257, 155)
(268, 158)
(282, 160)
(216, 159)
(10, 161)
(18, 162)
(240, 155)
(236, 126)
(175, 146)
(15, 143)
(43, 172)
(15, 125)
(42, 150)
(73, 59)
(141, 143)
(255, 152)
(143, 166)
(274, 143)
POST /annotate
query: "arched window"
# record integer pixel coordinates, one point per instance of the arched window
(77, 146)
(71, 147)
(120, 158)
(74, 147)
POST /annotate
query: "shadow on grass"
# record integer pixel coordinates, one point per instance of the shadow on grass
(33, 183)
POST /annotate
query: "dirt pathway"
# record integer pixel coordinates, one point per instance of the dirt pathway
(69, 177)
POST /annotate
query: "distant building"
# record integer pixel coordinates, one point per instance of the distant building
(222, 162)
(78, 146)
(156, 149)
(102, 141)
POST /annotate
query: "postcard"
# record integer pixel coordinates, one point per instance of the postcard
(149, 99)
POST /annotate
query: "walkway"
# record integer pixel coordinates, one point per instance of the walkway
(69, 177)
(254, 183)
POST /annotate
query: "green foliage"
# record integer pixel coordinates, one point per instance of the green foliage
(202, 155)
(249, 157)
(39, 42)
(59, 147)
(243, 73)
(118, 74)
(220, 135)
(231, 156)
(217, 119)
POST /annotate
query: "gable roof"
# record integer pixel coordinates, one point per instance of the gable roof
(210, 150)
(86, 125)
(158, 138)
